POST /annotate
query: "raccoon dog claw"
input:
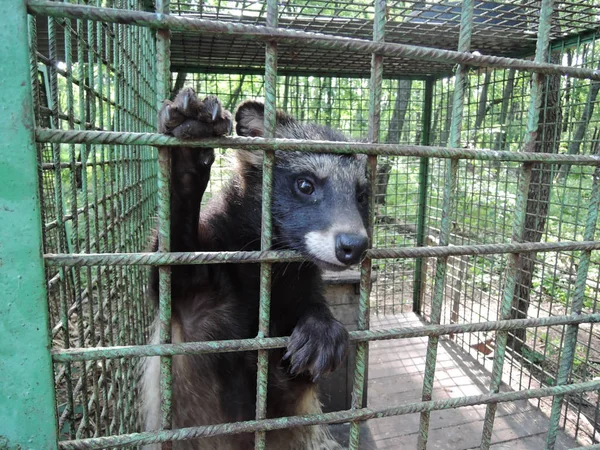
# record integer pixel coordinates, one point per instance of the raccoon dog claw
(187, 117)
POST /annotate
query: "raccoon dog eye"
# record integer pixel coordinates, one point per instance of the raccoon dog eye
(305, 186)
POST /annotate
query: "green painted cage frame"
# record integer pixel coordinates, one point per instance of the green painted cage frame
(33, 422)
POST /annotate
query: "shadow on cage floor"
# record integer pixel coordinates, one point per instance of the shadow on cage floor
(396, 376)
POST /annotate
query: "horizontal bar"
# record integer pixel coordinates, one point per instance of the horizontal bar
(126, 138)
(241, 345)
(150, 437)
(169, 258)
(296, 38)
(272, 256)
(333, 73)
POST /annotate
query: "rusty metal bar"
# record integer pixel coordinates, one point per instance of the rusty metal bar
(117, 138)
(449, 201)
(172, 258)
(270, 123)
(238, 345)
(524, 180)
(163, 80)
(136, 439)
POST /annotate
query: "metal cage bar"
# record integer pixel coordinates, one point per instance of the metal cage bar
(163, 77)
(423, 187)
(88, 354)
(70, 260)
(543, 41)
(366, 264)
(464, 44)
(159, 140)
(270, 122)
(326, 418)
(570, 342)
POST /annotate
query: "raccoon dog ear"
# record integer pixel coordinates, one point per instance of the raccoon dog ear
(250, 118)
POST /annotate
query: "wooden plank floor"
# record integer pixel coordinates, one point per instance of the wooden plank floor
(396, 376)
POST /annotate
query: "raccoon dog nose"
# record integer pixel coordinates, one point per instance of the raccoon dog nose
(350, 247)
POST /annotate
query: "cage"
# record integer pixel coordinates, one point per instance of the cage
(478, 296)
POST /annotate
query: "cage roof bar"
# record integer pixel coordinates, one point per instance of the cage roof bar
(286, 36)
(293, 72)
(130, 138)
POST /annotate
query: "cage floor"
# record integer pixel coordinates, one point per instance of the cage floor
(396, 376)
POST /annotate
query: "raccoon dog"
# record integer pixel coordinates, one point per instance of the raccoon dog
(319, 209)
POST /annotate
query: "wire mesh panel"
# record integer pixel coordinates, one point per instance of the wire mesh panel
(95, 199)
(484, 175)
(556, 210)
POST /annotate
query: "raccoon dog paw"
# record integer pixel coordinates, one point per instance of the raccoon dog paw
(317, 346)
(187, 117)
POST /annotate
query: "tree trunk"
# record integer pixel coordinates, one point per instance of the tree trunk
(234, 98)
(434, 124)
(329, 101)
(568, 85)
(507, 92)
(536, 214)
(399, 113)
(482, 106)
(446, 131)
(286, 92)
(384, 167)
(179, 82)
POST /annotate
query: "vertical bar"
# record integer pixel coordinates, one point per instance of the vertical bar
(423, 180)
(65, 276)
(163, 74)
(270, 120)
(103, 422)
(83, 152)
(366, 264)
(537, 86)
(27, 403)
(460, 81)
(570, 343)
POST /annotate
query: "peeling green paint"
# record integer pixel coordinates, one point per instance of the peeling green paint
(27, 414)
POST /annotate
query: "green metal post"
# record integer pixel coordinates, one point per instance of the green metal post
(163, 75)
(270, 118)
(461, 80)
(423, 190)
(27, 403)
(537, 86)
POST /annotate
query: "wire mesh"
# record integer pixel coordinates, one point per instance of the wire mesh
(556, 210)
(96, 199)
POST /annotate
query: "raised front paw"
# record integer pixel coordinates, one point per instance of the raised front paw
(187, 117)
(317, 346)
